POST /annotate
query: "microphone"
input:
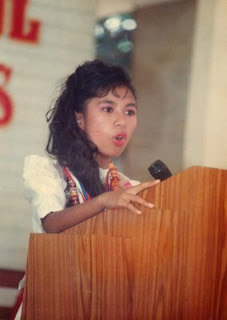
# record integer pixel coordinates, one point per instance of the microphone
(159, 170)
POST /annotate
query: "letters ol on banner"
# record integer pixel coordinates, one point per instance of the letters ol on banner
(6, 103)
(20, 29)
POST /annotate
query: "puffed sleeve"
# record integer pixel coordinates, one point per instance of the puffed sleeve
(126, 182)
(43, 187)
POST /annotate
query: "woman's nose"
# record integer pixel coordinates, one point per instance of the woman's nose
(120, 120)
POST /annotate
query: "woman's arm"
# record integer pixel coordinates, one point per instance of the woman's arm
(59, 221)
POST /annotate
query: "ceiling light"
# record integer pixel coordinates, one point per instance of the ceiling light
(125, 46)
(112, 24)
(129, 24)
(99, 31)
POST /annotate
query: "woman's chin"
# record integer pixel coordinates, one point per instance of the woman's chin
(106, 158)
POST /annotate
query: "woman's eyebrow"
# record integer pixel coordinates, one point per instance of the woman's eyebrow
(107, 101)
(132, 105)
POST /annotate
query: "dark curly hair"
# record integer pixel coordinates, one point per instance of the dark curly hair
(67, 142)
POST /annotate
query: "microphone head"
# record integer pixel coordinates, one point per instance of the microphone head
(159, 170)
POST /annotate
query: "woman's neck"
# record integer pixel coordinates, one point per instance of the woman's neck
(103, 162)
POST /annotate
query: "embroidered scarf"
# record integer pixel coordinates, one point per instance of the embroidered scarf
(112, 182)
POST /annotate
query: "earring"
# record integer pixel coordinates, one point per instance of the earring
(79, 123)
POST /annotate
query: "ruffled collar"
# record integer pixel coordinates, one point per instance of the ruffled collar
(103, 173)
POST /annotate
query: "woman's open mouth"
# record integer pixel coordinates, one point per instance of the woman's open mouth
(120, 139)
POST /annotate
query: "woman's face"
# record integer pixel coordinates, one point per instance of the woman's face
(109, 123)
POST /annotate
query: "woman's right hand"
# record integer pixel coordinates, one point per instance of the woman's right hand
(59, 221)
(124, 198)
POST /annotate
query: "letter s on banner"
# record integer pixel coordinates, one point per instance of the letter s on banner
(6, 104)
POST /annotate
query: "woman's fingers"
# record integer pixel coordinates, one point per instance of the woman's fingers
(138, 199)
(132, 208)
(133, 197)
(125, 198)
(129, 199)
(143, 185)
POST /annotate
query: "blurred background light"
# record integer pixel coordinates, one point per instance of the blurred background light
(125, 46)
(114, 39)
(113, 24)
(99, 31)
(129, 24)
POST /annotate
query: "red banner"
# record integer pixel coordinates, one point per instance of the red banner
(20, 29)
(6, 104)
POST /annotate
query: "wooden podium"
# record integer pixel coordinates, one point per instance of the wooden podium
(169, 263)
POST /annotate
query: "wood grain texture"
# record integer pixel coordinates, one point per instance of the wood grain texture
(78, 277)
(169, 263)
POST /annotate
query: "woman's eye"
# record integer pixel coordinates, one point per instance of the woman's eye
(108, 109)
(130, 112)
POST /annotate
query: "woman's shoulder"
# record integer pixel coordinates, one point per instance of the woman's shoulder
(34, 159)
(44, 186)
(36, 165)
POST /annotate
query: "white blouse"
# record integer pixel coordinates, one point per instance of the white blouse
(44, 185)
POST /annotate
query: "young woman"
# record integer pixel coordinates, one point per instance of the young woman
(91, 123)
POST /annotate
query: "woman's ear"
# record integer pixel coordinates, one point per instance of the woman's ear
(80, 120)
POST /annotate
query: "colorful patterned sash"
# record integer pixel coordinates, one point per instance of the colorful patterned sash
(72, 192)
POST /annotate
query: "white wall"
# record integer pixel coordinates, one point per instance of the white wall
(206, 126)
(63, 38)
(163, 44)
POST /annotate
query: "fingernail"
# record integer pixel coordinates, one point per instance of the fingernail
(138, 212)
(150, 205)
